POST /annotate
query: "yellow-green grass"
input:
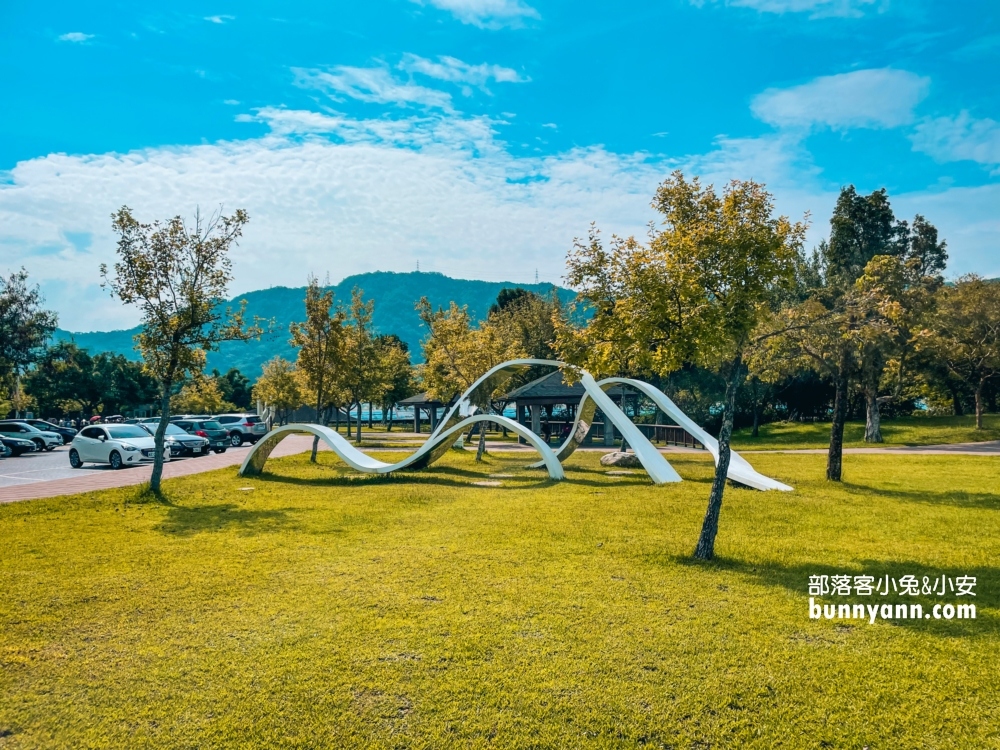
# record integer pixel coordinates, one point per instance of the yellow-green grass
(899, 431)
(322, 609)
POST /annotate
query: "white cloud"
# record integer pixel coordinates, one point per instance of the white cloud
(967, 218)
(329, 193)
(487, 14)
(220, 19)
(377, 194)
(817, 8)
(453, 70)
(75, 36)
(375, 85)
(961, 138)
(876, 98)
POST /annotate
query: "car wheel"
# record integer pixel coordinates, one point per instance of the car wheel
(115, 459)
(236, 439)
(74, 459)
(39, 444)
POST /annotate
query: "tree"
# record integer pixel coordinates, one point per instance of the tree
(394, 355)
(63, 380)
(698, 294)
(533, 319)
(235, 387)
(320, 341)
(965, 334)
(24, 329)
(278, 387)
(177, 275)
(67, 379)
(456, 354)
(362, 380)
(200, 395)
(510, 296)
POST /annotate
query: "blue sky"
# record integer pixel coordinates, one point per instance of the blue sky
(478, 137)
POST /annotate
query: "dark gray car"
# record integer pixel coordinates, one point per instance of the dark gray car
(215, 433)
(179, 441)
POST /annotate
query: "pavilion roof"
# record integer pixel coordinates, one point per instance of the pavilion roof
(421, 399)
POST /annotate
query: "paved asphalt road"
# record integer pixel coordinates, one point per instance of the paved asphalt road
(36, 475)
(32, 468)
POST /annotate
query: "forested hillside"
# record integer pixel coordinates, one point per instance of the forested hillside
(395, 295)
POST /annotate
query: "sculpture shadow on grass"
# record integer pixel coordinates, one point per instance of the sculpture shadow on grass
(186, 520)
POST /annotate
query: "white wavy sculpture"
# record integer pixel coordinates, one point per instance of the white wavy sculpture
(462, 415)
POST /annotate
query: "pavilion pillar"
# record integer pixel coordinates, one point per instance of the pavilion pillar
(416, 419)
(609, 431)
(434, 418)
(536, 419)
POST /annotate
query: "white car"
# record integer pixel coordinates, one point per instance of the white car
(116, 444)
(43, 440)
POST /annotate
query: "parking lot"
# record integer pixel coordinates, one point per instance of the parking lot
(36, 475)
(40, 467)
(46, 466)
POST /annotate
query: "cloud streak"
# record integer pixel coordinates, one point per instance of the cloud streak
(960, 138)
(875, 98)
(453, 70)
(487, 14)
(375, 85)
(815, 8)
(77, 37)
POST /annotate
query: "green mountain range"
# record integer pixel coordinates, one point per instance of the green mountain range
(395, 295)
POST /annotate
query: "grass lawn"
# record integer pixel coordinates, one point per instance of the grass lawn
(322, 609)
(899, 431)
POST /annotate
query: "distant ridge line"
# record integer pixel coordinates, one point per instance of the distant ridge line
(395, 294)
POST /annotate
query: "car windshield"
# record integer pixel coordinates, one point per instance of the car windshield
(17, 427)
(126, 431)
(172, 429)
(213, 425)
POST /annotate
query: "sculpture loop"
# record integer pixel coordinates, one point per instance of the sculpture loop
(463, 414)
(253, 463)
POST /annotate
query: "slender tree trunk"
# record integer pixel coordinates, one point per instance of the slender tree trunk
(835, 455)
(979, 405)
(755, 432)
(388, 427)
(360, 419)
(956, 403)
(161, 431)
(705, 550)
(482, 441)
(370, 410)
(873, 418)
(319, 420)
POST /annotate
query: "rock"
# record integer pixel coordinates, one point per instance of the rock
(628, 460)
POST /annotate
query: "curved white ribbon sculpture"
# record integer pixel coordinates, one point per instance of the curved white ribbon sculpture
(254, 461)
(463, 414)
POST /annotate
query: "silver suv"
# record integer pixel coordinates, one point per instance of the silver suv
(243, 428)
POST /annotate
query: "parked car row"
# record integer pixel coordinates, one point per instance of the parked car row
(41, 440)
(237, 428)
(129, 444)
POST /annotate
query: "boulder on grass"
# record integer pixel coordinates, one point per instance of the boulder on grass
(627, 460)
